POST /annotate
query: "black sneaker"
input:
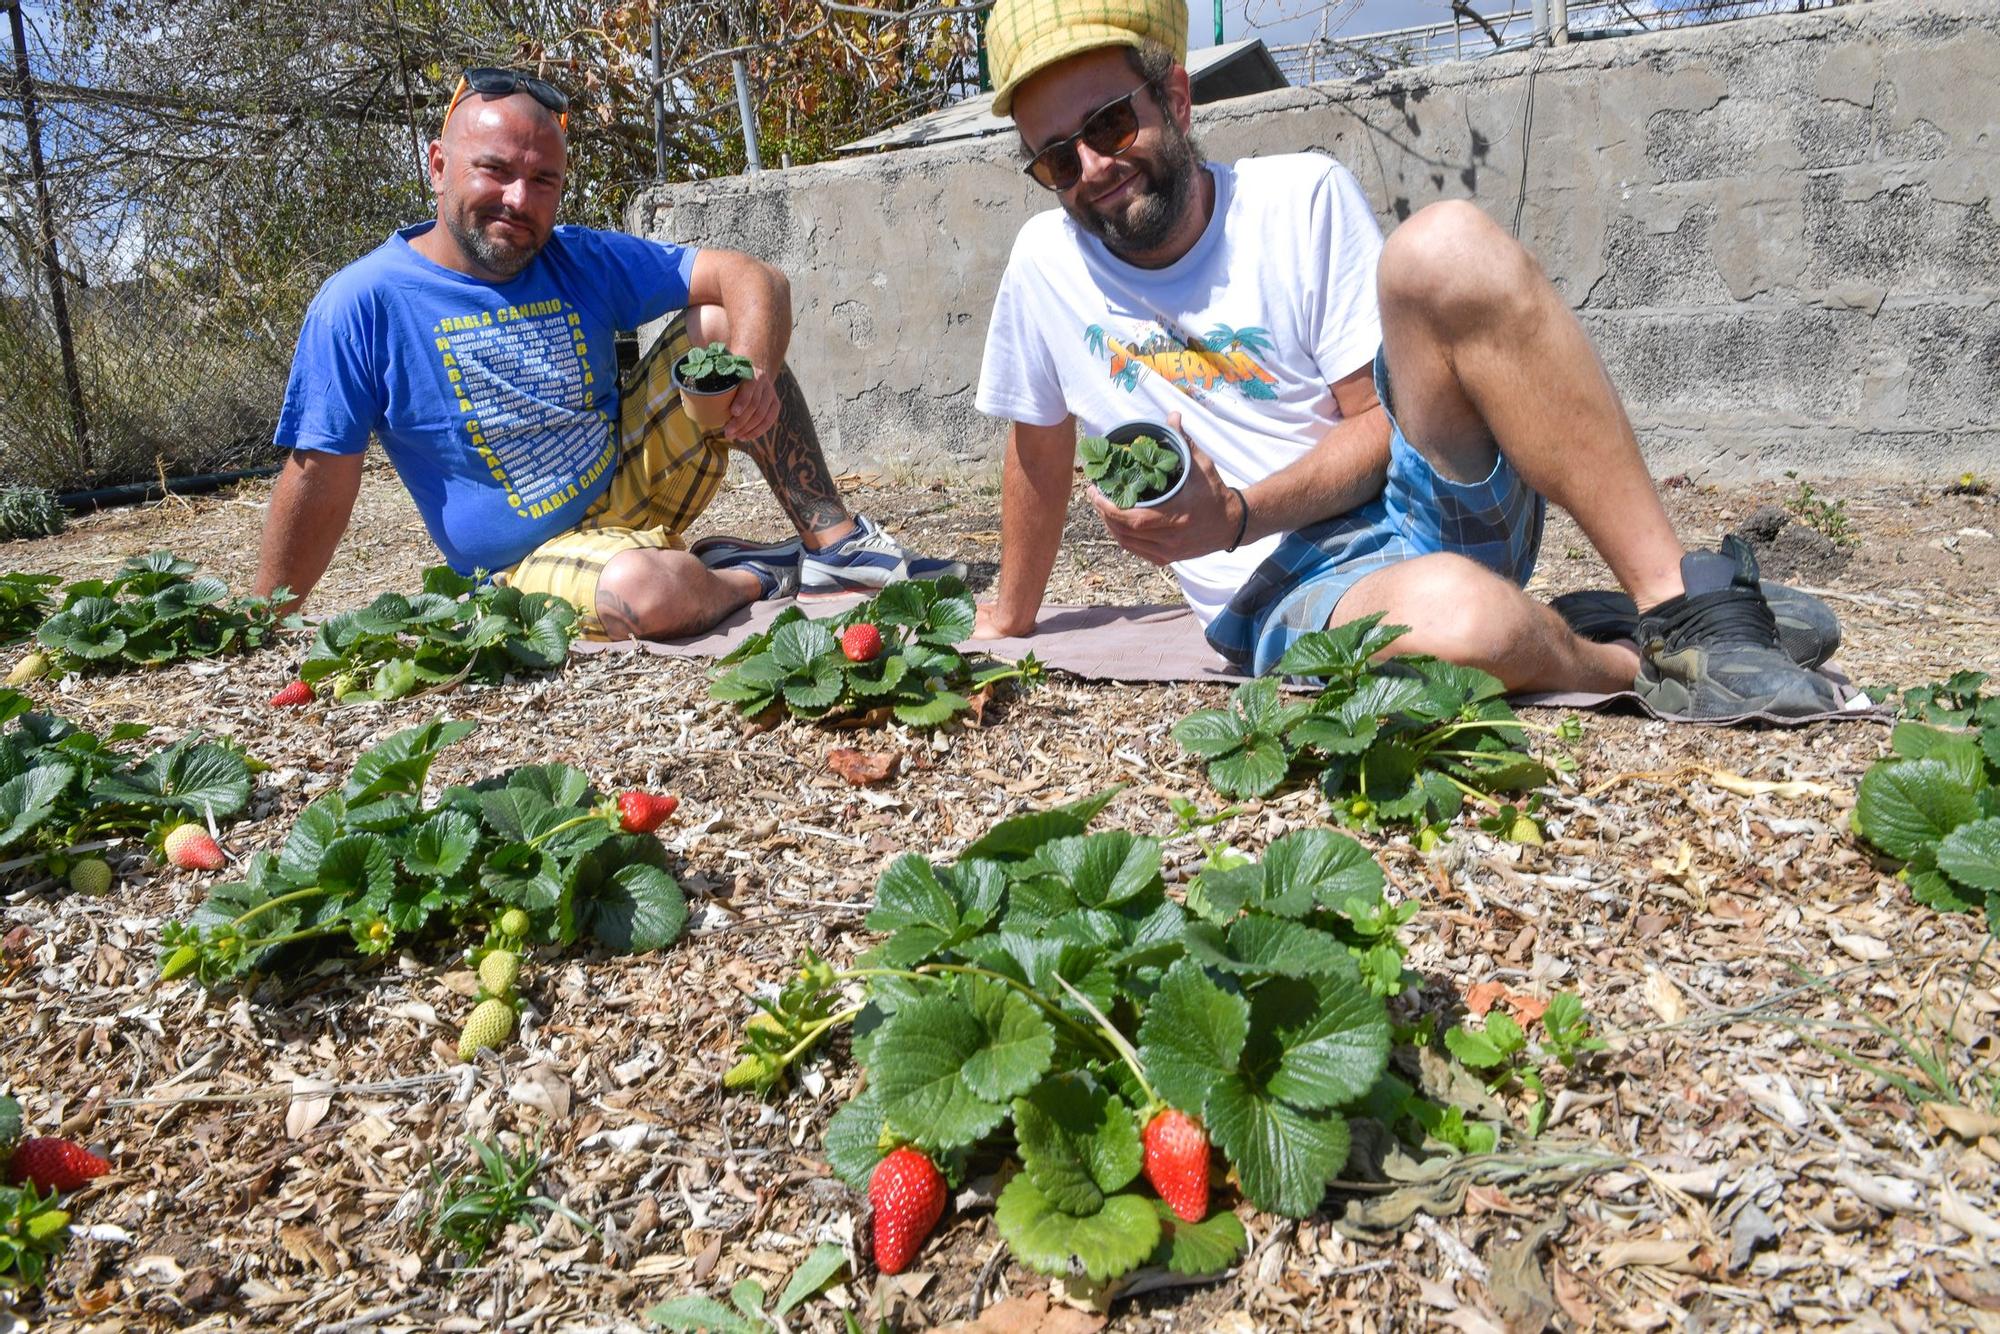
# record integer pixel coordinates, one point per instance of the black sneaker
(1713, 652)
(1808, 631)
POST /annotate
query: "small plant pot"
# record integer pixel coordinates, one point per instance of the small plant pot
(1130, 431)
(707, 408)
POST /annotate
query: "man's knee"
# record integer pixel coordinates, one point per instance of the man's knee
(646, 592)
(1455, 608)
(1452, 263)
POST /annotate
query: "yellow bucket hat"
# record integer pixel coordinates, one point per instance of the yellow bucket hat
(1025, 37)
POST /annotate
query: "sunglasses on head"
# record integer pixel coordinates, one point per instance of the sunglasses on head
(1110, 131)
(492, 81)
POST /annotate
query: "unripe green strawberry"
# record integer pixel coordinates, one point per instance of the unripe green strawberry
(31, 668)
(179, 962)
(513, 922)
(907, 1191)
(1177, 1163)
(489, 1025)
(498, 971)
(91, 876)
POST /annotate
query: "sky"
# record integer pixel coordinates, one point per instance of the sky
(1281, 22)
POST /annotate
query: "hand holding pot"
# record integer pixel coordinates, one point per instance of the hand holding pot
(755, 410)
(1201, 517)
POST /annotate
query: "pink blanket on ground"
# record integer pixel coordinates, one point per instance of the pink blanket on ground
(1156, 643)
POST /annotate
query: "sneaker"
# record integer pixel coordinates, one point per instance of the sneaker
(1713, 651)
(776, 566)
(1808, 631)
(866, 560)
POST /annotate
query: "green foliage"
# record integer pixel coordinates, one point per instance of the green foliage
(29, 511)
(714, 368)
(61, 786)
(920, 678)
(1933, 803)
(457, 629)
(24, 601)
(1044, 995)
(1500, 1051)
(1129, 473)
(371, 867)
(1826, 517)
(152, 612)
(1406, 741)
(1954, 702)
(471, 1211)
(698, 1315)
(33, 1231)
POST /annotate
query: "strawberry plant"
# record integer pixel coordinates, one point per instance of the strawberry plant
(65, 792)
(1409, 740)
(696, 1315)
(1933, 804)
(1500, 1050)
(153, 611)
(1127, 473)
(33, 1230)
(24, 602)
(457, 629)
(714, 368)
(1044, 999)
(372, 867)
(912, 671)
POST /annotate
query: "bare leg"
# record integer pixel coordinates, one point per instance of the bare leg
(1462, 612)
(1486, 357)
(658, 594)
(788, 455)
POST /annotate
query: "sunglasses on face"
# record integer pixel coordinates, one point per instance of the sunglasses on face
(1110, 131)
(491, 81)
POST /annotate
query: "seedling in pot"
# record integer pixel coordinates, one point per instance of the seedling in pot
(709, 378)
(1138, 465)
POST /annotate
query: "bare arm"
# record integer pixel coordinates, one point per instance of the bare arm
(309, 509)
(1035, 483)
(756, 298)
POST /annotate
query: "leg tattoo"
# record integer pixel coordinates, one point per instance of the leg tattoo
(617, 617)
(789, 457)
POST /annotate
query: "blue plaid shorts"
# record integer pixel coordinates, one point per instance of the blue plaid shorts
(1496, 521)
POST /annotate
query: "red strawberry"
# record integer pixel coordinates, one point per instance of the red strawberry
(293, 695)
(861, 643)
(643, 812)
(189, 847)
(1177, 1163)
(908, 1194)
(54, 1164)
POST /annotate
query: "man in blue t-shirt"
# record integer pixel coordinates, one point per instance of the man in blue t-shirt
(478, 349)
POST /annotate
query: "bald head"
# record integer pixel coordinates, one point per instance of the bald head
(497, 171)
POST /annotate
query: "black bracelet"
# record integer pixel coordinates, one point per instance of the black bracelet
(1243, 525)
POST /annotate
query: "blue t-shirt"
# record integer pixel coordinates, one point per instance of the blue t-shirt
(497, 402)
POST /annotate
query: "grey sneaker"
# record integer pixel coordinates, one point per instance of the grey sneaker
(776, 566)
(1808, 631)
(1713, 652)
(866, 561)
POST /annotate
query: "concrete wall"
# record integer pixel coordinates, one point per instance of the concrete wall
(1780, 231)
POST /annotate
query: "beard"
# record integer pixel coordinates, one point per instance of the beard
(492, 254)
(1166, 189)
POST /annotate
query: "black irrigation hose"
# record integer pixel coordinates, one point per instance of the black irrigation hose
(138, 493)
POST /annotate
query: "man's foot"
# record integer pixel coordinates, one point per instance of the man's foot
(1713, 652)
(866, 560)
(776, 566)
(1808, 631)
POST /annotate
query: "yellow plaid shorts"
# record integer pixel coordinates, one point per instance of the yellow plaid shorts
(667, 473)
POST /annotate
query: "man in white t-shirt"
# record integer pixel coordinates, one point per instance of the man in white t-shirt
(1255, 308)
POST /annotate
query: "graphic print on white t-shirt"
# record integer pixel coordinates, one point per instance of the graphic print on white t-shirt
(1243, 336)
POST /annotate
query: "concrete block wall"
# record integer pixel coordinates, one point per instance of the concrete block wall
(1781, 232)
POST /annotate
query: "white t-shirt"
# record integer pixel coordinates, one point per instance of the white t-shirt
(1242, 336)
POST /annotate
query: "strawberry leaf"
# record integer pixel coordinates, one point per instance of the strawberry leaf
(441, 845)
(635, 909)
(1078, 1142)
(1970, 854)
(932, 711)
(1197, 1249)
(919, 1056)
(1018, 1041)
(1334, 1034)
(1284, 1156)
(854, 1138)
(928, 910)
(29, 799)
(1102, 870)
(1260, 944)
(1905, 808)
(1103, 1244)
(1193, 1034)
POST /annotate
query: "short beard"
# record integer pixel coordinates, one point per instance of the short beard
(505, 260)
(1146, 223)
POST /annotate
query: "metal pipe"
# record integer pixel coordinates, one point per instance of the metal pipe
(1541, 28)
(752, 165)
(659, 107)
(46, 241)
